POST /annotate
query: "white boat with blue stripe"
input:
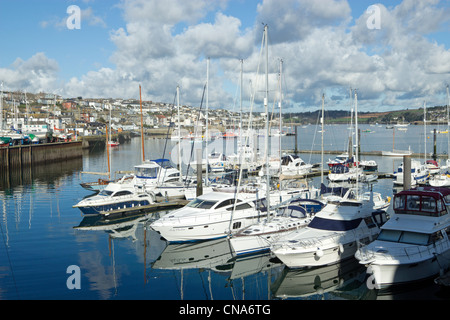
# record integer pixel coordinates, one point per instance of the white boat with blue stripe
(115, 196)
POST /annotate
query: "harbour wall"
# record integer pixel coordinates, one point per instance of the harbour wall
(16, 157)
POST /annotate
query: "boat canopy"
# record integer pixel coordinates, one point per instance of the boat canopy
(425, 201)
(339, 169)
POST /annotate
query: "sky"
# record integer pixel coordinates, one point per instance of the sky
(393, 54)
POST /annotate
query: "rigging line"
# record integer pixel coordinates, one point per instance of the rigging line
(193, 141)
(9, 261)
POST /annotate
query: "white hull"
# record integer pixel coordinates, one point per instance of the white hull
(386, 273)
(440, 181)
(316, 256)
(396, 153)
(205, 228)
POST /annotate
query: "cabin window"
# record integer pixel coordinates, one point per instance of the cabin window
(225, 203)
(242, 206)
(334, 225)
(414, 238)
(147, 172)
(404, 237)
(105, 193)
(201, 204)
(399, 202)
(413, 203)
(369, 222)
(389, 235)
(122, 193)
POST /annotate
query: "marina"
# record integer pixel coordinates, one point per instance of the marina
(121, 257)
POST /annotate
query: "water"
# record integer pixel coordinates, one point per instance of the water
(42, 236)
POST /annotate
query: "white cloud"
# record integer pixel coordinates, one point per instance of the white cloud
(36, 74)
(165, 43)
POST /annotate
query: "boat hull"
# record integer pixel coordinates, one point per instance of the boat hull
(104, 208)
(385, 275)
(316, 257)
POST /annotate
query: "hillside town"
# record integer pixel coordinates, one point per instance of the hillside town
(42, 112)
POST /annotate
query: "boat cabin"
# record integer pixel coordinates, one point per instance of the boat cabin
(151, 170)
(424, 201)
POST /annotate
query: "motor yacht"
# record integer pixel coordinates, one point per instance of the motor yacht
(334, 233)
(211, 216)
(114, 196)
(414, 244)
(340, 173)
(419, 173)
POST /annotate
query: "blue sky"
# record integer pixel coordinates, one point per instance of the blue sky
(325, 46)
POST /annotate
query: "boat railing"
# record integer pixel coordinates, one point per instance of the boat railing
(406, 253)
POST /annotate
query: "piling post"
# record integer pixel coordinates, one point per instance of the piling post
(296, 148)
(434, 148)
(406, 172)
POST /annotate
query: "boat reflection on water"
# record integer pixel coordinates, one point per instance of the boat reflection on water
(194, 255)
(217, 256)
(344, 280)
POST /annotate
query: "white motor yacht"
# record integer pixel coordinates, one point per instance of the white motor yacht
(414, 244)
(419, 173)
(116, 195)
(333, 234)
(211, 216)
(340, 173)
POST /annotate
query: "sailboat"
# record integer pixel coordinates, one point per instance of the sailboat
(396, 152)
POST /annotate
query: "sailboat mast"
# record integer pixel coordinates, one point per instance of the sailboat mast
(322, 121)
(207, 124)
(281, 117)
(179, 132)
(1, 107)
(142, 125)
(107, 152)
(448, 120)
(266, 105)
(425, 129)
(356, 140)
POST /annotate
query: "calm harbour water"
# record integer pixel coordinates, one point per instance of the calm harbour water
(42, 235)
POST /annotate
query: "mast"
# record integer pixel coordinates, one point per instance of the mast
(142, 125)
(109, 142)
(107, 153)
(240, 116)
(356, 141)
(179, 132)
(1, 107)
(281, 118)
(448, 120)
(266, 105)
(322, 121)
(207, 125)
(425, 129)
